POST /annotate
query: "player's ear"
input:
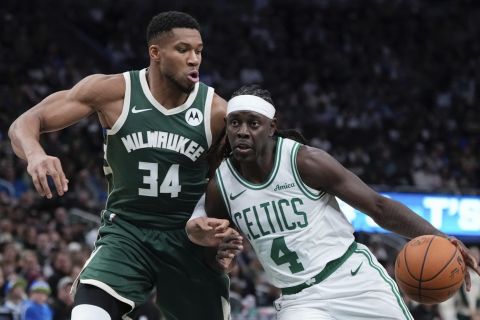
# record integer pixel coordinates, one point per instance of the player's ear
(154, 52)
(273, 127)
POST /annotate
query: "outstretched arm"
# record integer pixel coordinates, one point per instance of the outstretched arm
(57, 111)
(322, 172)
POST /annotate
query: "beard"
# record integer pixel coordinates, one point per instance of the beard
(182, 88)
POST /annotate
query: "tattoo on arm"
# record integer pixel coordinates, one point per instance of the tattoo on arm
(398, 218)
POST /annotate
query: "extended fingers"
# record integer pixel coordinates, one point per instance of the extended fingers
(49, 166)
(203, 224)
(469, 258)
(218, 224)
(37, 183)
(229, 232)
(43, 181)
(471, 262)
(221, 224)
(56, 171)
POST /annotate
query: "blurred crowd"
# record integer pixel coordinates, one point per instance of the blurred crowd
(389, 88)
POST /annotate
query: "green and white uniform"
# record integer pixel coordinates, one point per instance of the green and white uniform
(156, 157)
(304, 241)
(156, 166)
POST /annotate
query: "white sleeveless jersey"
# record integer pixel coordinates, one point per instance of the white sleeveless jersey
(294, 229)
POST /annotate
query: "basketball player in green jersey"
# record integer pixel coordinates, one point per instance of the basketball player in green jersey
(281, 195)
(160, 123)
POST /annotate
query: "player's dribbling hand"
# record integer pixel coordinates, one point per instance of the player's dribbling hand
(208, 232)
(41, 166)
(469, 259)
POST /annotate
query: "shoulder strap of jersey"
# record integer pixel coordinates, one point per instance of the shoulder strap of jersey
(126, 105)
(307, 191)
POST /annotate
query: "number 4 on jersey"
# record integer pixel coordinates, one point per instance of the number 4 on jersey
(280, 254)
(170, 184)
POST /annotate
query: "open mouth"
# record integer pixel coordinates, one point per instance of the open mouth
(193, 76)
(243, 147)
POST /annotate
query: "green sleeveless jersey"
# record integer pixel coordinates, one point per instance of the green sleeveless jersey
(155, 158)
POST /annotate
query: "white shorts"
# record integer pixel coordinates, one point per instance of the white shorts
(359, 289)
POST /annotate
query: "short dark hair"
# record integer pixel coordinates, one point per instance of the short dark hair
(254, 90)
(166, 21)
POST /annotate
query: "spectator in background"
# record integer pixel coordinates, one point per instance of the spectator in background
(15, 296)
(43, 248)
(425, 312)
(62, 303)
(29, 268)
(469, 302)
(384, 74)
(3, 285)
(62, 267)
(269, 170)
(10, 253)
(378, 249)
(171, 90)
(464, 305)
(36, 307)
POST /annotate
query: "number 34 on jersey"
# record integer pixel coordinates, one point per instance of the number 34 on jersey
(170, 183)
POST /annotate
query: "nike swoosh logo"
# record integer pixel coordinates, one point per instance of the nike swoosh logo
(354, 272)
(135, 110)
(233, 197)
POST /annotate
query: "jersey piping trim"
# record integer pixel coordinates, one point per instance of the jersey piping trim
(73, 289)
(105, 287)
(112, 187)
(107, 170)
(223, 192)
(148, 94)
(273, 173)
(388, 280)
(307, 191)
(126, 106)
(206, 115)
(106, 167)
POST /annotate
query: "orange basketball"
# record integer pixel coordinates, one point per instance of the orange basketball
(429, 269)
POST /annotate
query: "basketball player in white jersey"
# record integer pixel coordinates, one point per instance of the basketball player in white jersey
(281, 195)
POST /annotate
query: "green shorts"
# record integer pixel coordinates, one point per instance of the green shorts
(129, 261)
